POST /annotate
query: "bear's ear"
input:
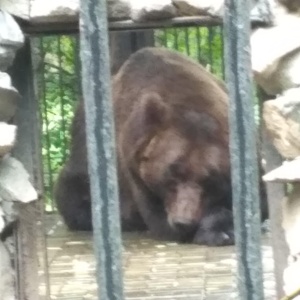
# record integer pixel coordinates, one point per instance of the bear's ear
(148, 116)
(152, 109)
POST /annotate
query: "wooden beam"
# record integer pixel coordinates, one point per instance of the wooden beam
(72, 26)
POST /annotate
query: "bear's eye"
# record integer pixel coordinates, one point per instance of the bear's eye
(201, 181)
(171, 184)
(175, 168)
(144, 159)
(179, 171)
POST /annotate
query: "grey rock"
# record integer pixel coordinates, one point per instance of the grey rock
(291, 226)
(282, 121)
(152, 10)
(18, 8)
(68, 10)
(14, 182)
(260, 9)
(7, 56)
(276, 55)
(10, 245)
(203, 7)
(291, 219)
(289, 171)
(11, 39)
(54, 11)
(2, 222)
(290, 277)
(118, 10)
(10, 34)
(7, 275)
(9, 97)
(7, 138)
(10, 211)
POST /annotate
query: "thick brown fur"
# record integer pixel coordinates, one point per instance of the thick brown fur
(172, 141)
(72, 191)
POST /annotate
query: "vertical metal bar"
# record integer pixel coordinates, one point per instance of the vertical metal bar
(62, 99)
(176, 39)
(101, 147)
(211, 35)
(77, 66)
(165, 37)
(144, 38)
(187, 40)
(132, 40)
(121, 47)
(198, 37)
(223, 54)
(245, 186)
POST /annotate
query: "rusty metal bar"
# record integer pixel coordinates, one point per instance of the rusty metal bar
(94, 54)
(246, 207)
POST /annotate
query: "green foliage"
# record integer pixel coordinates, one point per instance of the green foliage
(58, 88)
(202, 44)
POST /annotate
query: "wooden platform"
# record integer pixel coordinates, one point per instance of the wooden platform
(152, 270)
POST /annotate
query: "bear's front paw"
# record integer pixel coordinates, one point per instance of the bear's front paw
(216, 228)
(214, 238)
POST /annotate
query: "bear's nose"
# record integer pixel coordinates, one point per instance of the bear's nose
(184, 227)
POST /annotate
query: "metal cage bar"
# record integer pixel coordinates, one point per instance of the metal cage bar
(101, 147)
(244, 166)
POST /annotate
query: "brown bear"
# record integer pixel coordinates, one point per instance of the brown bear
(172, 140)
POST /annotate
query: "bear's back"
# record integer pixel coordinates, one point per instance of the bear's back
(176, 78)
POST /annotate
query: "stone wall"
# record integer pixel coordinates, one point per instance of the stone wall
(38, 11)
(15, 183)
(276, 68)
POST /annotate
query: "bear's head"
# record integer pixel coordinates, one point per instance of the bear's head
(180, 156)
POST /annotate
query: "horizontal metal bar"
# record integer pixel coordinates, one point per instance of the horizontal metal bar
(94, 53)
(72, 27)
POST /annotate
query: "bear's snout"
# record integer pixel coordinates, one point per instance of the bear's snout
(184, 207)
